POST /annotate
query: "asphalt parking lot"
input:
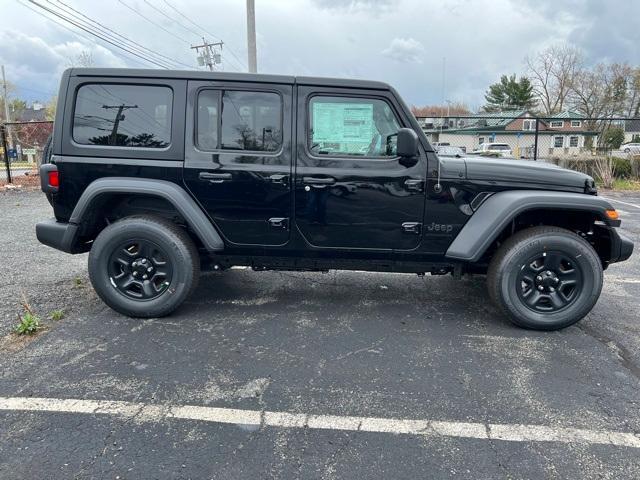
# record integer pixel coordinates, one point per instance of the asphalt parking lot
(300, 375)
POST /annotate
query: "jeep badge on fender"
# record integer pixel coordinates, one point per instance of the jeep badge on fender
(159, 174)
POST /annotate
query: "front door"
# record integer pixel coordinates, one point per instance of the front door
(238, 158)
(351, 189)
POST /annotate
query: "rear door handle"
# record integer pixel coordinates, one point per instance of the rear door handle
(214, 177)
(279, 178)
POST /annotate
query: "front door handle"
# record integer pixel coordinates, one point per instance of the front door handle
(413, 184)
(412, 227)
(214, 177)
(319, 182)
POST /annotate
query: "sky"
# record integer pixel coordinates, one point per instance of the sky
(411, 44)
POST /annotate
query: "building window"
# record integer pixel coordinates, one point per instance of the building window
(132, 116)
(480, 140)
(529, 125)
(557, 124)
(574, 141)
(576, 123)
(350, 126)
(558, 142)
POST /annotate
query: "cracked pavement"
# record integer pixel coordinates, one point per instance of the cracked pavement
(344, 343)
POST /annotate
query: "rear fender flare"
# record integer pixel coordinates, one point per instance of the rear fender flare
(172, 193)
(501, 208)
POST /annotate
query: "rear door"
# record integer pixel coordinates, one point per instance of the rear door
(238, 158)
(351, 189)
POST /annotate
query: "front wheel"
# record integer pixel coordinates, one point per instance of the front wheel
(545, 278)
(143, 266)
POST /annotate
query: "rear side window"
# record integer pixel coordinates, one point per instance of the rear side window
(134, 116)
(250, 121)
(351, 126)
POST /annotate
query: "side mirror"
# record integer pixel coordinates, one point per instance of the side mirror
(407, 145)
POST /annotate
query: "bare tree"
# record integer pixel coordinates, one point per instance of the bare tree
(552, 73)
(83, 59)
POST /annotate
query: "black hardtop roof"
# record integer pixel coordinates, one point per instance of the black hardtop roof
(226, 76)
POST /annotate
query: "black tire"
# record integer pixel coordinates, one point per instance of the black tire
(167, 250)
(545, 278)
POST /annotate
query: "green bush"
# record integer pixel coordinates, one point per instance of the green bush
(613, 137)
(622, 168)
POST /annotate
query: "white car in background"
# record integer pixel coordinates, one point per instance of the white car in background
(495, 149)
(632, 147)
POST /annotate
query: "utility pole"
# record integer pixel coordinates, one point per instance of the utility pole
(209, 56)
(5, 98)
(251, 36)
(113, 138)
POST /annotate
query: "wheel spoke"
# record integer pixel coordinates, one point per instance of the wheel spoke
(148, 288)
(556, 300)
(533, 298)
(552, 261)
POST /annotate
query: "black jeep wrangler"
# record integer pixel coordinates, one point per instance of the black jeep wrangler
(159, 174)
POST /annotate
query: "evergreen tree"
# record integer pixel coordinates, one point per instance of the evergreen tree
(510, 94)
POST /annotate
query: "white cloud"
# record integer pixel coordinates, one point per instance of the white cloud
(406, 50)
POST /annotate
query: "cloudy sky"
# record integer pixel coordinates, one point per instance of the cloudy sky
(402, 42)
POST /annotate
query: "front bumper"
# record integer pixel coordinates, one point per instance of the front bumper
(621, 247)
(61, 236)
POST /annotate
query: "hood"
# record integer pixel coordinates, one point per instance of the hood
(526, 172)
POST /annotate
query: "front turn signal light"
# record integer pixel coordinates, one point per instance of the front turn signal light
(612, 215)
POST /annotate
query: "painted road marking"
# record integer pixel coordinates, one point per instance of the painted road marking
(620, 201)
(483, 431)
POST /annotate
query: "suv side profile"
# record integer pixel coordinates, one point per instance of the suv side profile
(161, 174)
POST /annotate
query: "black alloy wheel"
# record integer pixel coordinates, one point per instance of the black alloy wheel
(549, 281)
(140, 269)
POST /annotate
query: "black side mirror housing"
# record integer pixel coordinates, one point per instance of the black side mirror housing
(407, 145)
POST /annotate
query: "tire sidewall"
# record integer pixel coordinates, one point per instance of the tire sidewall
(584, 258)
(116, 234)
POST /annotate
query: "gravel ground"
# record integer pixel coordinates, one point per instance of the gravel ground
(343, 344)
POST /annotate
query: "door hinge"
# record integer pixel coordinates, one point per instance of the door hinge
(412, 227)
(279, 222)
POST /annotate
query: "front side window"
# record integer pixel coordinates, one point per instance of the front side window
(558, 142)
(350, 126)
(576, 123)
(557, 124)
(529, 125)
(573, 141)
(134, 116)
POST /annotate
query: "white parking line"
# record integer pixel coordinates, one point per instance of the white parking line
(156, 413)
(620, 201)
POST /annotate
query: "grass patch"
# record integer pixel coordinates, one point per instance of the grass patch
(57, 315)
(28, 322)
(624, 184)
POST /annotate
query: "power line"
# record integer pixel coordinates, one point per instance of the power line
(243, 65)
(79, 34)
(154, 23)
(97, 35)
(126, 39)
(161, 12)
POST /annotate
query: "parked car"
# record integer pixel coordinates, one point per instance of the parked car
(495, 149)
(631, 147)
(161, 174)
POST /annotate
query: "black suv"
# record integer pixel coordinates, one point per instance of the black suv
(160, 174)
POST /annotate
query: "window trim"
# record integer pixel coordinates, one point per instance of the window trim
(561, 122)
(577, 137)
(555, 137)
(530, 121)
(77, 144)
(221, 90)
(579, 123)
(307, 126)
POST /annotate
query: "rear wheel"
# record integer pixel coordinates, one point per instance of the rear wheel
(545, 278)
(143, 266)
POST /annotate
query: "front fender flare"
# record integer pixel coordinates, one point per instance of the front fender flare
(174, 194)
(501, 208)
